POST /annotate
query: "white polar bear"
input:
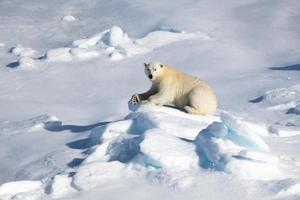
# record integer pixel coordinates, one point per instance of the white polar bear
(186, 92)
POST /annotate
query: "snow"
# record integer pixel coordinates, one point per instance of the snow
(61, 186)
(59, 54)
(290, 192)
(169, 151)
(99, 174)
(116, 37)
(116, 44)
(222, 146)
(67, 72)
(239, 134)
(21, 190)
(27, 62)
(161, 151)
(69, 18)
(282, 98)
(19, 50)
(32, 124)
(282, 101)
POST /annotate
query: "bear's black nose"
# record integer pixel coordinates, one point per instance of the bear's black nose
(150, 76)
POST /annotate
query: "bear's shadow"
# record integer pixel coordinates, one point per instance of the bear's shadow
(81, 144)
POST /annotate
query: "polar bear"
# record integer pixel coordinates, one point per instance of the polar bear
(170, 86)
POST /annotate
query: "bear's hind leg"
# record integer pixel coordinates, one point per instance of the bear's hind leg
(191, 110)
(201, 101)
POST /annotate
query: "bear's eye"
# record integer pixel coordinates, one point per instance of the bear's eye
(154, 69)
(161, 66)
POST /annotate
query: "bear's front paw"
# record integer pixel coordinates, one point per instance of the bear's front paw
(135, 99)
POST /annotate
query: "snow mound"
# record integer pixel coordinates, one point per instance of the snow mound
(116, 44)
(164, 138)
(61, 186)
(69, 18)
(21, 51)
(27, 63)
(27, 56)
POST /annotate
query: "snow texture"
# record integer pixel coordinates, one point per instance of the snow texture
(82, 60)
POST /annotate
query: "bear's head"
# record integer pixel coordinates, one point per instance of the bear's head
(154, 70)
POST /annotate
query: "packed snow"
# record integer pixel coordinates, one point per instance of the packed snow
(67, 72)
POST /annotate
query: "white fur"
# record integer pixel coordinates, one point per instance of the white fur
(186, 92)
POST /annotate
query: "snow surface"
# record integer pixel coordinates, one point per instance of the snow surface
(65, 130)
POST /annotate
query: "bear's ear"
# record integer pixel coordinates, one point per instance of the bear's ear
(161, 66)
(146, 64)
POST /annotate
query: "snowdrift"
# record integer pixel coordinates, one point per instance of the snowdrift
(113, 43)
(116, 44)
(166, 146)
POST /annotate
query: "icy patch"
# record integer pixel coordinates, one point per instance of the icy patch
(239, 133)
(116, 44)
(2, 44)
(222, 147)
(21, 190)
(69, 18)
